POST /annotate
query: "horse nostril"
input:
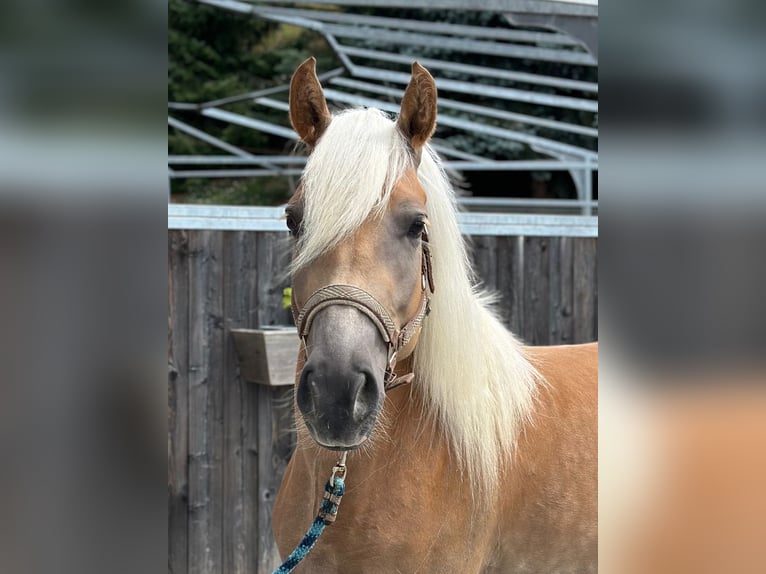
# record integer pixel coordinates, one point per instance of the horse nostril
(342, 398)
(366, 395)
(308, 388)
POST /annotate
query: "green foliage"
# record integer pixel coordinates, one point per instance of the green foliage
(254, 191)
(214, 54)
(207, 51)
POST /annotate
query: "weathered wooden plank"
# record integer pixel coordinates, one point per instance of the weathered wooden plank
(273, 261)
(206, 349)
(268, 481)
(259, 272)
(239, 303)
(536, 290)
(251, 479)
(561, 327)
(585, 282)
(510, 281)
(484, 259)
(276, 443)
(554, 289)
(178, 406)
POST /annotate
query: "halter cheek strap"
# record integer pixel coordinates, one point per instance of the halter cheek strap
(396, 338)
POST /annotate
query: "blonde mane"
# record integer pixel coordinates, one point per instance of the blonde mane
(471, 371)
(347, 177)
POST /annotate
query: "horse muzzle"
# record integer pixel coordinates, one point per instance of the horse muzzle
(339, 406)
(341, 387)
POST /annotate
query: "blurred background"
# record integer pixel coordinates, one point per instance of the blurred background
(682, 275)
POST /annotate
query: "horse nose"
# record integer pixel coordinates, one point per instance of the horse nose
(327, 389)
(336, 399)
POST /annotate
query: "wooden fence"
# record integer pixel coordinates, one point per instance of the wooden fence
(229, 441)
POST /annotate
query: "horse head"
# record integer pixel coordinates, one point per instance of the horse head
(361, 276)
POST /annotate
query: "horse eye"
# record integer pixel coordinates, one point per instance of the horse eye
(416, 229)
(293, 225)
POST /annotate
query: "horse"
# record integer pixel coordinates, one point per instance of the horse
(467, 451)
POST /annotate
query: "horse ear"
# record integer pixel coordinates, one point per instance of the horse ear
(309, 115)
(417, 118)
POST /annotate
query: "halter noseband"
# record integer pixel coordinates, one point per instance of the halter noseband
(395, 338)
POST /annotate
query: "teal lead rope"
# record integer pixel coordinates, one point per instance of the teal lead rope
(328, 510)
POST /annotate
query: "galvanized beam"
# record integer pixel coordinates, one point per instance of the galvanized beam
(481, 164)
(232, 173)
(323, 77)
(508, 34)
(521, 165)
(503, 50)
(485, 90)
(579, 7)
(472, 108)
(215, 142)
(272, 219)
(248, 122)
(207, 138)
(229, 160)
(523, 202)
(479, 71)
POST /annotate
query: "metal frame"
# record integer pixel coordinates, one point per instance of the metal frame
(231, 218)
(360, 82)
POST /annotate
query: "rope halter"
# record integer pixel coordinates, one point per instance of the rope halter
(395, 337)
